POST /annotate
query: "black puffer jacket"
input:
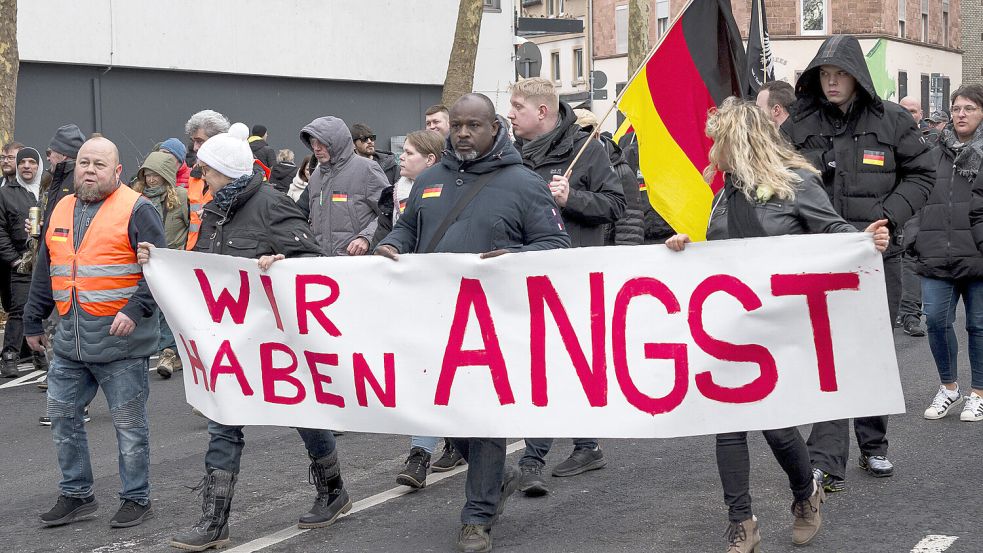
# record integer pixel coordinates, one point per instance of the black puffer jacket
(596, 198)
(15, 201)
(389, 164)
(261, 221)
(282, 174)
(945, 243)
(514, 211)
(656, 229)
(263, 152)
(627, 230)
(874, 162)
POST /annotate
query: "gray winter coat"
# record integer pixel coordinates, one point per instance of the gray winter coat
(808, 213)
(344, 193)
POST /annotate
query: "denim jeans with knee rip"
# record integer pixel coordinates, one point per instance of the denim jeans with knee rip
(72, 385)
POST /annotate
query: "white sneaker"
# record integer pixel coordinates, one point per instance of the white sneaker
(973, 410)
(942, 404)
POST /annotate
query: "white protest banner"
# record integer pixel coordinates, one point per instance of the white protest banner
(615, 342)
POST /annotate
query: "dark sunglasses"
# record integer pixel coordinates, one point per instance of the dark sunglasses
(369, 138)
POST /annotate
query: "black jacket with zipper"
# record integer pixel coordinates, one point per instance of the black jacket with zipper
(260, 221)
(873, 160)
(945, 242)
(15, 202)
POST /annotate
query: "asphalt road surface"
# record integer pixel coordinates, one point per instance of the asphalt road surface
(654, 495)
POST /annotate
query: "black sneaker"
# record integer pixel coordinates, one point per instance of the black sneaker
(877, 465)
(829, 483)
(131, 513)
(39, 361)
(69, 509)
(531, 482)
(913, 328)
(580, 461)
(414, 474)
(449, 459)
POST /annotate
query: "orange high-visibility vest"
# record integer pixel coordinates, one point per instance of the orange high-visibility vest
(103, 272)
(197, 198)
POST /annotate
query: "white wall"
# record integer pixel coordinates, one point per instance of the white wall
(397, 41)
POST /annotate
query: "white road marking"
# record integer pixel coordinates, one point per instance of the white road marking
(934, 544)
(22, 380)
(367, 503)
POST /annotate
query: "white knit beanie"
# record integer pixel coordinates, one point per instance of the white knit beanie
(228, 152)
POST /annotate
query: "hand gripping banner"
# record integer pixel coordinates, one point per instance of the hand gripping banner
(616, 342)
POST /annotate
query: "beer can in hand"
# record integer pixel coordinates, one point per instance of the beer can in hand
(34, 221)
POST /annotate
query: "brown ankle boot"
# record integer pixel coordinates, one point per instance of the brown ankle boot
(743, 537)
(808, 517)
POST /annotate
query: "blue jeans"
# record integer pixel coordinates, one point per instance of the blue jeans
(427, 443)
(226, 442)
(537, 448)
(71, 386)
(486, 473)
(939, 299)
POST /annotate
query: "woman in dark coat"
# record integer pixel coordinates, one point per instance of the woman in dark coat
(769, 190)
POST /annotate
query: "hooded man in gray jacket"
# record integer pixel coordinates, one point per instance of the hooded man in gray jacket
(344, 189)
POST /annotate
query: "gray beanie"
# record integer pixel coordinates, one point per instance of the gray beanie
(67, 141)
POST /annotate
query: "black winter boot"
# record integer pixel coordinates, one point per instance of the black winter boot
(212, 530)
(8, 365)
(332, 500)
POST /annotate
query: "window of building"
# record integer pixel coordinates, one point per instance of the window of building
(813, 17)
(578, 64)
(901, 18)
(945, 28)
(924, 20)
(554, 7)
(492, 5)
(621, 30)
(555, 66)
(902, 84)
(662, 15)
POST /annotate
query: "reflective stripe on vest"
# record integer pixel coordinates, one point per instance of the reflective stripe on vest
(103, 272)
(197, 198)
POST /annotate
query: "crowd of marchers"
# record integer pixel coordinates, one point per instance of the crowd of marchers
(827, 155)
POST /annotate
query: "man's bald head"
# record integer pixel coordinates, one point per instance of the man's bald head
(913, 106)
(97, 170)
(474, 126)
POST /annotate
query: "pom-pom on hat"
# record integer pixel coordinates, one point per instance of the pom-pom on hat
(229, 152)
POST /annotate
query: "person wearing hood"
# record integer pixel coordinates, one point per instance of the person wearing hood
(590, 198)
(260, 148)
(874, 166)
(364, 138)
(156, 180)
(16, 199)
(177, 149)
(247, 218)
(506, 208)
(948, 248)
(283, 172)
(627, 230)
(344, 190)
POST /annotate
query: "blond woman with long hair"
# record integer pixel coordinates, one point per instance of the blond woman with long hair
(769, 190)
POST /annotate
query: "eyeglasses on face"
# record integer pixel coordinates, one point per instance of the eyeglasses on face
(968, 110)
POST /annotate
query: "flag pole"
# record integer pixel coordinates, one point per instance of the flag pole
(638, 71)
(761, 35)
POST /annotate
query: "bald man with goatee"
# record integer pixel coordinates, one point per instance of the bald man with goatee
(87, 269)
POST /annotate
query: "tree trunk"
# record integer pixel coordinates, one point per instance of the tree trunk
(460, 68)
(638, 34)
(9, 65)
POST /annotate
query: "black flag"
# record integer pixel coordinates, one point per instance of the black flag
(760, 66)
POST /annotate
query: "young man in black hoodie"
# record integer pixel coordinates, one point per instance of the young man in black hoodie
(874, 166)
(590, 198)
(512, 212)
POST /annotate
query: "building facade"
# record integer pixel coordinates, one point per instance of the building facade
(135, 71)
(920, 41)
(972, 41)
(566, 56)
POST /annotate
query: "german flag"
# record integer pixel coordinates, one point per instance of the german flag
(339, 197)
(872, 157)
(402, 206)
(642, 187)
(695, 66)
(433, 191)
(59, 235)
